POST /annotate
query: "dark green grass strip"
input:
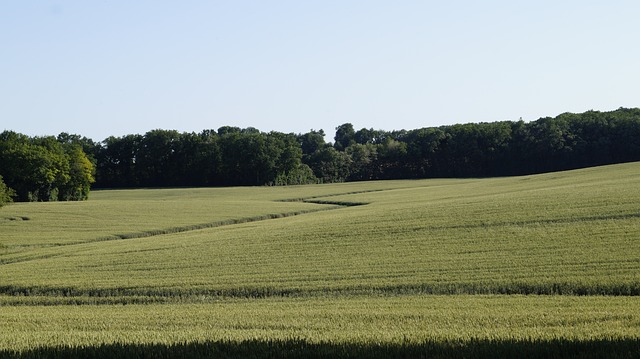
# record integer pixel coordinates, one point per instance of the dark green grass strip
(17, 296)
(313, 198)
(295, 348)
(216, 224)
(532, 222)
(20, 218)
(336, 203)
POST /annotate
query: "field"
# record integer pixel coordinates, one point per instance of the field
(542, 266)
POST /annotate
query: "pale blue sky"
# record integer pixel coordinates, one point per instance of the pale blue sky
(100, 68)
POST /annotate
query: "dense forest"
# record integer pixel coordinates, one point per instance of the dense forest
(64, 167)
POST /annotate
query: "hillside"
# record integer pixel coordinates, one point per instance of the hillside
(438, 260)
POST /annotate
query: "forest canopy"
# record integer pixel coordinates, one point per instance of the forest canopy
(64, 167)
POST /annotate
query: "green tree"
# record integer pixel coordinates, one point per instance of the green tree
(246, 159)
(157, 159)
(311, 141)
(6, 193)
(330, 165)
(345, 136)
(364, 136)
(363, 161)
(34, 168)
(81, 175)
(89, 147)
(198, 159)
(117, 161)
(423, 149)
(552, 144)
(392, 160)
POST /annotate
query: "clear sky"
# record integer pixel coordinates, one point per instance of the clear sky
(101, 68)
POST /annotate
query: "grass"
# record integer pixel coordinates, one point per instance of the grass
(434, 267)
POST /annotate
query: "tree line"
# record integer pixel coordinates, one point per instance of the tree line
(229, 156)
(63, 167)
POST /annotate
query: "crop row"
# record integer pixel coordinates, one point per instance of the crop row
(297, 348)
(74, 296)
(362, 320)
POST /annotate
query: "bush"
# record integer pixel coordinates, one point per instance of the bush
(301, 175)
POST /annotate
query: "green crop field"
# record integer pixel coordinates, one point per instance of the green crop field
(542, 266)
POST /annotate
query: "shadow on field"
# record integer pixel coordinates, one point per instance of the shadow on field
(605, 348)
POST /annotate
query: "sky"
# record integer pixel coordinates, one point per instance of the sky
(111, 68)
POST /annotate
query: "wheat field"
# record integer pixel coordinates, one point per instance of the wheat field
(546, 264)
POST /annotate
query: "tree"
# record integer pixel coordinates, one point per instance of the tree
(89, 147)
(44, 169)
(423, 149)
(33, 170)
(199, 159)
(551, 144)
(363, 161)
(311, 141)
(246, 159)
(289, 167)
(157, 162)
(117, 161)
(392, 160)
(6, 193)
(365, 136)
(330, 165)
(228, 129)
(344, 136)
(625, 135)
(81, 175)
